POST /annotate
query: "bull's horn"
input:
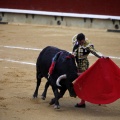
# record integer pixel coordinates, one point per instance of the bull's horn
(59, 79)
(63, 77)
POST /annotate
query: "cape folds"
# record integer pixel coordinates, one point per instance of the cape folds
(100, 84)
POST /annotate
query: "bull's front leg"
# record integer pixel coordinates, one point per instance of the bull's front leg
(56, 106)
(62, 92)
(56, 99)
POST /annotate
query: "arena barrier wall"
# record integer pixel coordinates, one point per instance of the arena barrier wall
(18, 16)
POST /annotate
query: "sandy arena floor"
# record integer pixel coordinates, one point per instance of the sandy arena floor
(18, 80)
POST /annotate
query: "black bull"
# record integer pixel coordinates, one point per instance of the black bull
(65, 65)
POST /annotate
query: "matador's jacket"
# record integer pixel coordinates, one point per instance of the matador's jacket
(81, 53)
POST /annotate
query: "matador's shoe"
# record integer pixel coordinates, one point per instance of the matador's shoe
(80, 105)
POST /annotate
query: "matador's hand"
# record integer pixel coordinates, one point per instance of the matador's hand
(106, 57)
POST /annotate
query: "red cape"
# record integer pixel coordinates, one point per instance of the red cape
(100, 84)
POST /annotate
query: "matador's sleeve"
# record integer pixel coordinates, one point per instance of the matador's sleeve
(93, 51)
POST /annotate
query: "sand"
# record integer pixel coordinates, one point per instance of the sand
(18, 81)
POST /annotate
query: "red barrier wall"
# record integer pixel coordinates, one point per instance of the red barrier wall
(99, 7)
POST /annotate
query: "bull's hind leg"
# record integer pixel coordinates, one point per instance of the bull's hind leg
(43, 96)
(39, 77)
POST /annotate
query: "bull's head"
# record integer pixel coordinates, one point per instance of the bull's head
(71, 74)
(69, 86)
(63, 77)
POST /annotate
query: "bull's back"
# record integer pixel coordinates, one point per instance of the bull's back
(49, 50)
(45, 58)
(48, 53)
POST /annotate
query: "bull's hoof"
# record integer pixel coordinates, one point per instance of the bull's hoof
(52, 102)
(42, 97)
(56, 107)
(34, 96)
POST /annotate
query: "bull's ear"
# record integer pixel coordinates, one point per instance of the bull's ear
(67, 57)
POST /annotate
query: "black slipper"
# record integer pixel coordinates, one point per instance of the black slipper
(80, 106)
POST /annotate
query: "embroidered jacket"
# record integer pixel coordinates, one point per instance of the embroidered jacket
(83, 51)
